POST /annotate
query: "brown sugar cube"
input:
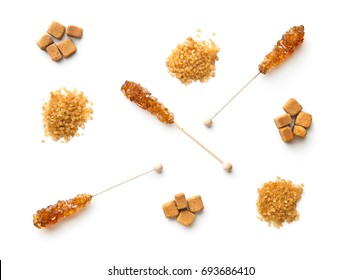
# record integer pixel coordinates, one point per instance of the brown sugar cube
(299, 131)
(195, 203)
(54, 52)
(56, 30)
(67, 47)
(286, 134)
(303, 119)
(170, 209)
(180, 201)
(74, 31)
(292, 107)
(186, 217)
(283, 120)
(44, 41)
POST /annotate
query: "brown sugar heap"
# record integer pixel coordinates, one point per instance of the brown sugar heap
(64, 113)
(63, 208)
(193, 61)
(144, 99)
(283, 49)
(277, 202)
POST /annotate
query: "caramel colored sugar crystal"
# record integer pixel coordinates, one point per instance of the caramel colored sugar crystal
(303, 119)
(63, 208)
(67, 47)
(170, 209)
(145, 100)
(283, 49)
(44, 41)
(181, 201)
(54, 52)
(64, 113)
(56, 30)
(193, 61)
(277, 202)
(292, 107)
(299, 131)
(74, 31)
(286, 134)
(195, 203)
(283, 120)
(186, 217)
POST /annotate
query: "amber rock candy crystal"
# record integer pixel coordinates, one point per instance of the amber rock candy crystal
(63, 208)
(144, 99)
(283, 49)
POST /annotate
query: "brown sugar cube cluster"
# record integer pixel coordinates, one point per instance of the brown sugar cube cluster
(182, 208)
(66, 47)
(294, 122)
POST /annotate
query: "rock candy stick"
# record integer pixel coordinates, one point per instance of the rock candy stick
(281, 51)
(64, 208)
(145, 100)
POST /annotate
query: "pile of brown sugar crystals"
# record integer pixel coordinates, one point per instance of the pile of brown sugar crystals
(277, 202)
(193, 61)
(294, 122)
(66, 47)
(64, 113)
(182, 208)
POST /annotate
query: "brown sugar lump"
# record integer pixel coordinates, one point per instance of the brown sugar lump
(193, 61)
(74, 31)
(299, 131)
(186, 217)
(283, 120)
(170, 209)
(44, 42)
(54, 52)
(303, 119)
(286, 134)
(67, 47)
(181, 201)
(277, 202)
(56, 30)
(292, 107)
(65, 113)
(195, 203)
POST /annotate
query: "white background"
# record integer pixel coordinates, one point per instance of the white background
(130, 40)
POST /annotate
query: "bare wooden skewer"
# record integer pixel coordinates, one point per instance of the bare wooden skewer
(227, 166)
(208, 122)
(157, 168)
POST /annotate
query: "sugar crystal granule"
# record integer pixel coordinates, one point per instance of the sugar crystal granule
(64, 113)
(277, 202)
(193, 61)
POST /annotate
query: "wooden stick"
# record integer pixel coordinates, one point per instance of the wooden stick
(208, 122)
(157, 168)
(226, 165)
